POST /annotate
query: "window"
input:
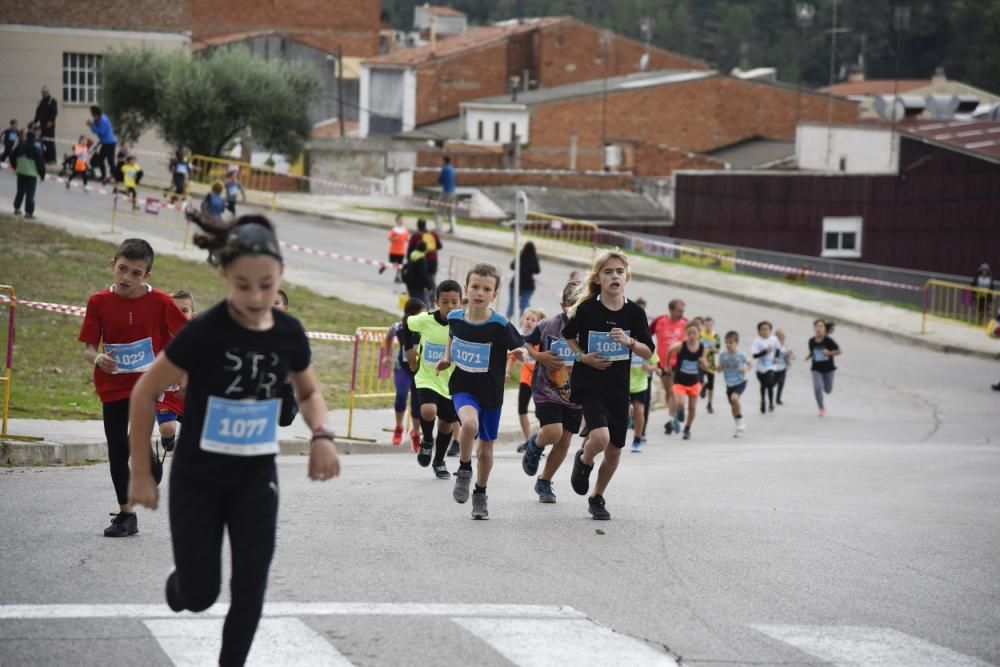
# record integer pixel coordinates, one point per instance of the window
(480, 132)
(842, 237)
(513, 132)
(81, 78)
(496, 131)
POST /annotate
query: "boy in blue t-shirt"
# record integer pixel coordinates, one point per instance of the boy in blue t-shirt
(10, 136)
(478, 343)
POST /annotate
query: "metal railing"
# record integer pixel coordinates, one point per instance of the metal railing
(258, 182)
(562, 235)
(957, 302)
(8, 372)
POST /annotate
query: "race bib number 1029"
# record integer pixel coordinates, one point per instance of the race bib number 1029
(134, 357)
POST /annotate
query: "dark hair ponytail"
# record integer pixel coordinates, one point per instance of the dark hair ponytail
(227, 241)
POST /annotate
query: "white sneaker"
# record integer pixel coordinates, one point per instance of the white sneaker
(740, 425)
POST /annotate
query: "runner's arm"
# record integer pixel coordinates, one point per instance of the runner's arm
(323, 462)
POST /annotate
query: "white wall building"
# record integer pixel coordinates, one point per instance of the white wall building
(494, 123)
(444, 20)
(850, 149)
(388, 99)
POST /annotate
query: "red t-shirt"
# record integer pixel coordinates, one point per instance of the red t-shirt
(172, 402)
(112, 318)
(668, 332)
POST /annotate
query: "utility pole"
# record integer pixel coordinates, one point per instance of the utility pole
(901, 23)
(340, 88)
(803, 17)
(829, 94)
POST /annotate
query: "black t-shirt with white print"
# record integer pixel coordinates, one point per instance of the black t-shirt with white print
(590, 327)
(225, 360)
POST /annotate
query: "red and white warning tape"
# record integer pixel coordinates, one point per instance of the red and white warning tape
(333, 255)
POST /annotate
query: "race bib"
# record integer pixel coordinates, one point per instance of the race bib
(637, 361)
(689, 367)
(241, 427)
(602, 343)
(433, 352)
(562, 349)
(819, 354)
(733, 378)
(471, 357)
(131, 357)
(766, 361)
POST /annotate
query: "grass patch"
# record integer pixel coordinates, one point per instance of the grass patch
(53, 380)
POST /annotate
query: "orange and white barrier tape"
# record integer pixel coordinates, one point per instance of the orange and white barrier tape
(333, 255)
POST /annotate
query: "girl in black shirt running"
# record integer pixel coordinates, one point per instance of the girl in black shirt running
(822, 350)
(236, 356)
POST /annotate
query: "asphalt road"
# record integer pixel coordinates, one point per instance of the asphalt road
(870, 536)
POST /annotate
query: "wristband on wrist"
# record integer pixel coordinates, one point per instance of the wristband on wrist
(97, 359)
(577, 356)
(321, 434)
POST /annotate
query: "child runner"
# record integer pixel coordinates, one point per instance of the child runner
(734, 366)
(134, 322)
(180, 168)
(640, 377)
(710, 339)
(764, 350)
(10, 137)
(782, 362)
(399, 236)
(170, 408)
(402, 376)
(560, 418)
(669, 329)
(641, 302)
(604, 330)
(529, 320)
(690, 356)
(131, 175)
(432, 387)
(77, 160)
(822, 350)
(214, 203)
(233, 188)
(281, 301)
(236, 354)
(478, 341)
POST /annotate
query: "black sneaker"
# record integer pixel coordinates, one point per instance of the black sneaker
(522, 447)
(668, 428)
(479, 510)
(687, 432)
(995, 387)
(173, 598)
(543, 488)
(453, 448)
(168, 444)
(763, 408)
(441, 470)
(771, 408)
(580, 478)
(597, 508)
(529, 462)
(122, 525)
(424, 455)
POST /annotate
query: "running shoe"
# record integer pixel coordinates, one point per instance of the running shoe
(687, 432)
(636, 446)
(668, 428)
(543, 488)
(479, 510)
(995, 387)
(168, 444)
(580, 477)
(122, 525)
(441, 470)
(462, 480)
(822, 412)
(522, 447)
(779, 402)
(424, 455)
(763, 408)
(529, 461)
(173, 597)
(597, 508)
(453, 448)
(29, 216)
(415, 443)
(710, 410)
(397, 436)
(771, 408)
(677, 422)
(741, 425)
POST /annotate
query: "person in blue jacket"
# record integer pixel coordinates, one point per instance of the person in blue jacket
(101, 126)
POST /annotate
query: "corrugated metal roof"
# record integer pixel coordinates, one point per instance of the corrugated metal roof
(610, 205)
(756, 153)
(977, 137)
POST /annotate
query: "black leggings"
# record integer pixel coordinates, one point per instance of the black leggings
(243, 498)
(106, 154)
(779, 382)
(766, 386)
(116, 432)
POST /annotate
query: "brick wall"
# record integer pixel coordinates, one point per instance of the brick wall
(354, 24)
(143, 15)
(443, 84)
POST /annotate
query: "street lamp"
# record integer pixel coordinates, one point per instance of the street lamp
(804, 13)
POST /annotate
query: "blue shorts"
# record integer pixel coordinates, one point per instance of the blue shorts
(163, 416)
(489, 418)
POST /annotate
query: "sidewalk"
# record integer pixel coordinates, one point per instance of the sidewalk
(871, 316)
(76, 442)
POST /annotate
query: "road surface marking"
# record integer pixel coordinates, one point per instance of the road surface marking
(56, 611)
(577, 642)
(851, 646)
(195, 642)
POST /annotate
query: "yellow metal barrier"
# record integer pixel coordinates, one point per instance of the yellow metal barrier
(369, 378)
(561, 235)
(150, 209)
(258, 182)
(8, 372)
(964, 304)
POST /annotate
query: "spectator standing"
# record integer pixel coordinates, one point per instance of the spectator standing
(526, 288)
(45, 119)
(432, 244)
(101, 126)
(29, 165)
(447, 180)
(983, 280)
(10, 137)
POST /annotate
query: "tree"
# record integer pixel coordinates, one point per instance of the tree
(205, 102)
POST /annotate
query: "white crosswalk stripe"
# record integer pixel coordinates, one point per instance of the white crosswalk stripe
(855, 646)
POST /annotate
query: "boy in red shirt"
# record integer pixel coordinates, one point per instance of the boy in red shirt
(170, 408)
(133, 322)
(669, 329)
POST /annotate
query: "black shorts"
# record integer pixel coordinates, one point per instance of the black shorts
(180, 180)
(231, 206)
(523, 398)
(603, 414)
(554, 413)
(445, 408)
(641, 397)
(395, 259)
(737, 389)
(709, 381)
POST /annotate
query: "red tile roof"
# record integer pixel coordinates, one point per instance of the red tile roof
(874, 87)
(980, 137)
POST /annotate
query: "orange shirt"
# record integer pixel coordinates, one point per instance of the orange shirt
(398, 236)
(527, 368)
(667, 333)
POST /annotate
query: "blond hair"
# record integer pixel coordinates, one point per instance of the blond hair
(537, 312)
(591, 286)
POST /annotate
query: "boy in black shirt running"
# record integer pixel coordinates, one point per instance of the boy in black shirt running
(479, 339)
(604, 331)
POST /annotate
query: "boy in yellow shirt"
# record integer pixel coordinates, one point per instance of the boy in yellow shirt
(131, 175)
